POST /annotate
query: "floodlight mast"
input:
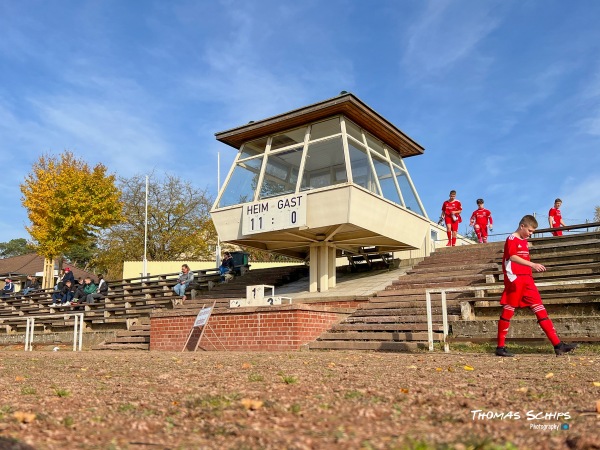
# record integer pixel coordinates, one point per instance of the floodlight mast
(145, 268)
(218, 247)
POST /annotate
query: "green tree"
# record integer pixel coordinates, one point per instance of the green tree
(67, 201)
(179, 224)
(14, 247)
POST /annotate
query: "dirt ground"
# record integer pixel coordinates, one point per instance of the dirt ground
(297, 400)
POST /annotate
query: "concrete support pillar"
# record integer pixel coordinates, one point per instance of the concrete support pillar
(323, 268)
(331, 267)
(313, 268)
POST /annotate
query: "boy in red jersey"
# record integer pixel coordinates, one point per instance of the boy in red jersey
(479, 221)
(555, 218)
(520, 290)
(451, 210)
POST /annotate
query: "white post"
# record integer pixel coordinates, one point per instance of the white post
(31, 337)
(80, 330)
(445, 322)
(429, 320)
(323, 268)
(76, 317)
(313, 268)
(145, 268)
(27, 334)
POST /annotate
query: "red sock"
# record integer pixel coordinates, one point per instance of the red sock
(545, 323)
(449, 234)
(478, 233)
(453, 241)
(504, 324)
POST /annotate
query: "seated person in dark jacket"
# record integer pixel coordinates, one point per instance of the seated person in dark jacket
(9, 287)
(79, 295)
(226, 268)
(64, 296)
(31, 285)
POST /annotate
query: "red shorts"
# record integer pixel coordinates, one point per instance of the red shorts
(482, 227)
(521, 293)
(557, 233)
(452, 225)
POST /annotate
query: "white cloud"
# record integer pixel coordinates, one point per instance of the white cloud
(446, 33)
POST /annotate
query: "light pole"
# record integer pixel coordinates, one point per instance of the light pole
(218, 247)
(145, 269)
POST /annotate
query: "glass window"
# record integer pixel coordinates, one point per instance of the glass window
(408, 193)
(375, 144)
(353, 131)
(288, 138)
(361, 168)
(242, 184)
(324, 129)
(386, 180)
(281, 173)
(325, 164)
(395, 157)
(254, 148)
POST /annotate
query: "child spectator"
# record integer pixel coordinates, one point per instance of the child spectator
(226, 268)
(78, 288)
(520, 290)
(555, 217)
(451, 210)
(479, 221)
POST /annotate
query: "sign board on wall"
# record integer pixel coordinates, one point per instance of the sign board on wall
(202, 317)
(278, 213)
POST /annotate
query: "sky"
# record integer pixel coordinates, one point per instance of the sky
(503, 95)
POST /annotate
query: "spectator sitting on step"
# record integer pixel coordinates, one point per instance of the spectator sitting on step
(101, 291)
(226, 268)
(64, 296)
(68, 275)
(78, 289)
(31, 285)
(8, 288)
(89, 288)
(183, 281)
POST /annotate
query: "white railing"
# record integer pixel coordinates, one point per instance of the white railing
(482, 288)
(77, 329)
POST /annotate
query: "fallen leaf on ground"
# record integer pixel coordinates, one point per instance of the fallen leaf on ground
(468, 368)
(597, 383)
(251, 404)
(246, 366)
(24, 417)
(549, 375)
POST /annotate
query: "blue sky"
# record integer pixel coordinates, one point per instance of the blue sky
(504, 95)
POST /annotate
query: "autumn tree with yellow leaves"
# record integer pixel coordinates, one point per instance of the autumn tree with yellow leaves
(66, 202)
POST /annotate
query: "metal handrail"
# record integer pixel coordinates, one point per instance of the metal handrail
(29, 331)
(443, 291)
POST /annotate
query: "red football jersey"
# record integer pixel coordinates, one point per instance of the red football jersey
(515, 246)
(482, 217)
(449, 208)
(555, 215)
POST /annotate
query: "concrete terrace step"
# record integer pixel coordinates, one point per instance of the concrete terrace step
(365, 345)
(122, 347)
(388, 336)
(397, 327)
(475, 268)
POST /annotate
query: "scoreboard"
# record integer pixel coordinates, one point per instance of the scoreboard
(278, 213)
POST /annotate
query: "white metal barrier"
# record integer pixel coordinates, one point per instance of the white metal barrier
(482, 288)
(77, 329)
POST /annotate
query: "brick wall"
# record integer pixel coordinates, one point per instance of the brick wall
(256, 329)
